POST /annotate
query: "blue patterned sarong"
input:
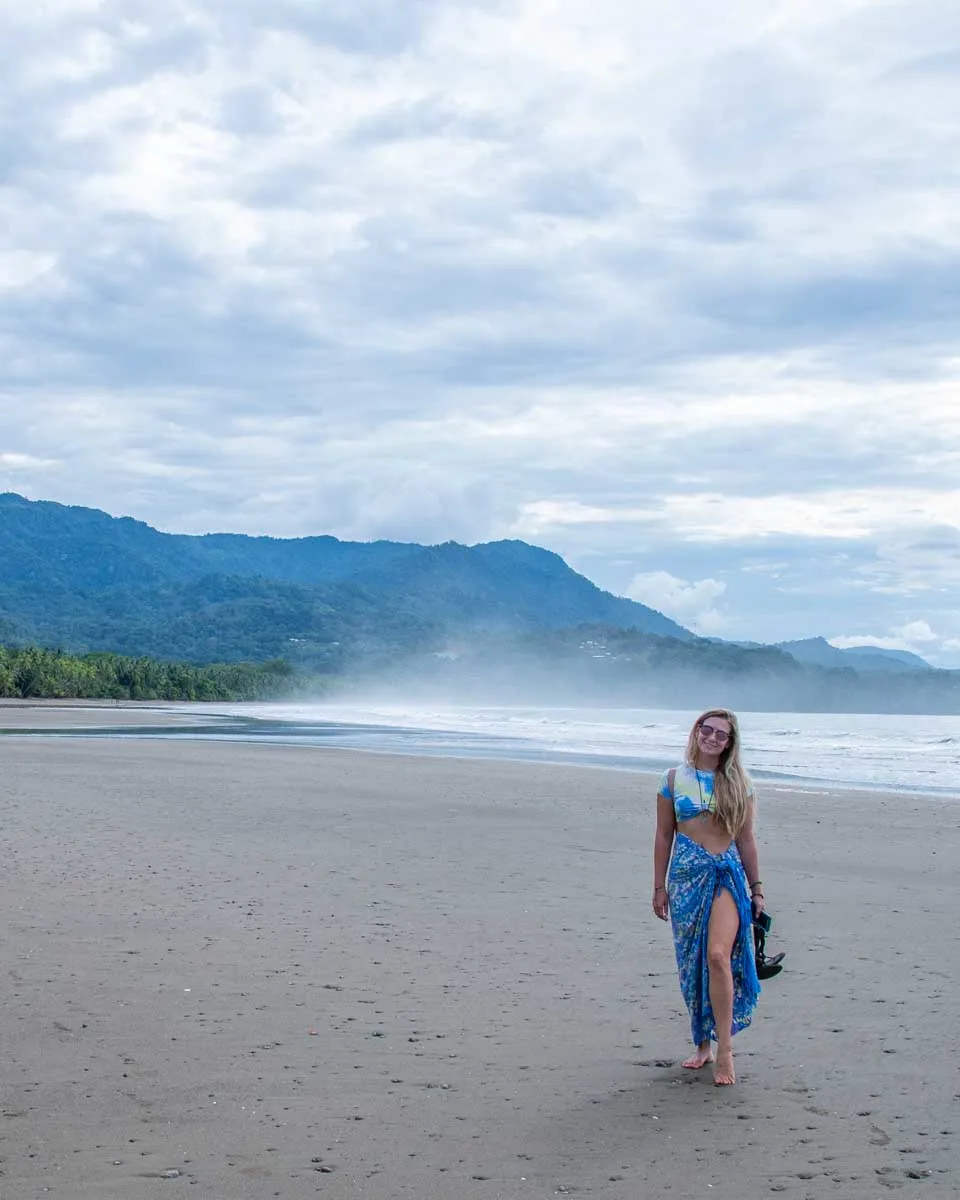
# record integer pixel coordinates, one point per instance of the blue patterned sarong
(696, 876)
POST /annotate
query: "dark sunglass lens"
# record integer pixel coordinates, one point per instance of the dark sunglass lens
(711, 731)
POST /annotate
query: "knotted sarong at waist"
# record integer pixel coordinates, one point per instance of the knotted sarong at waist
(696, 876)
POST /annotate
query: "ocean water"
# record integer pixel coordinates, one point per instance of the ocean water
(846, 750)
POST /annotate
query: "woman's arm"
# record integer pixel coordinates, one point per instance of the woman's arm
(662, 846)
(747, 849)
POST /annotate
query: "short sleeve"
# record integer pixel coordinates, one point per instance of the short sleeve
(663, 787)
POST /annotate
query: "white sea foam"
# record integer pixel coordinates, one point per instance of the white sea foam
(892, 753)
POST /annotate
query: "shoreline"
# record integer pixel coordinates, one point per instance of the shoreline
(79, 718)
(275, 971)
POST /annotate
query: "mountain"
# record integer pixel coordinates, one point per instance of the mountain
(500, 622)
(606, 666)
(43, 542)
(878, 659)
(82, 579)
(818, 652)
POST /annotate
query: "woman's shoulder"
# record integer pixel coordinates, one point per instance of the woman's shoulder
(668, 779)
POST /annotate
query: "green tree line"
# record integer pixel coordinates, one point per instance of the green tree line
(32, 672)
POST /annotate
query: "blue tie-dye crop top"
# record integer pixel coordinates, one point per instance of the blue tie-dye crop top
(692, 791)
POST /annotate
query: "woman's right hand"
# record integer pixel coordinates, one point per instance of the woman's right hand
(661, 903)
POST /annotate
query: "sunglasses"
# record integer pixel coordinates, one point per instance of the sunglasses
(718, 735)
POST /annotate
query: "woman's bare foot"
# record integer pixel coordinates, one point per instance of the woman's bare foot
(723, 1072)
(701, 1056)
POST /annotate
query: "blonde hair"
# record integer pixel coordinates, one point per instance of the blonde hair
(731, 784)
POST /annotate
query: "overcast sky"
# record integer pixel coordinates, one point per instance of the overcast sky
(670, 287)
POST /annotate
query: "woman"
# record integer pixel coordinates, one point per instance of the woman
(705, 833)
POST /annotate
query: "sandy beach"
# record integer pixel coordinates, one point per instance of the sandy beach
(244, 971)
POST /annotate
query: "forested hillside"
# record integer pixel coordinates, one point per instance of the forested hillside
(602, 665)
(33, 672)
(79, 579)
(93, 605)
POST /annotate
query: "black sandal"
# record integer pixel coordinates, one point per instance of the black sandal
(766, 967)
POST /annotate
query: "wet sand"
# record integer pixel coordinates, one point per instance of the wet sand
(71, 715)
(296, 972)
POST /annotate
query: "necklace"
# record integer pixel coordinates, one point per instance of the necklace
(704, 808)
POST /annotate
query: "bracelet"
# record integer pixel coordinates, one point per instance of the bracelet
(756, 883)
(659, 889)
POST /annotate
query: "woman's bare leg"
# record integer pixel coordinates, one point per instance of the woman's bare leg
(721, 935)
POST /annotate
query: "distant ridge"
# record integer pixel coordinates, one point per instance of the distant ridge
(500, 622)
(889, 658)
(819, 652)
(80, 578)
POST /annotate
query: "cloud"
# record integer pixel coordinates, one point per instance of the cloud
(22, 462)
(914, 635)
(692, 604)
(670, 291)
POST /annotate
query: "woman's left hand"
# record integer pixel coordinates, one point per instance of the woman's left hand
(757, 903)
